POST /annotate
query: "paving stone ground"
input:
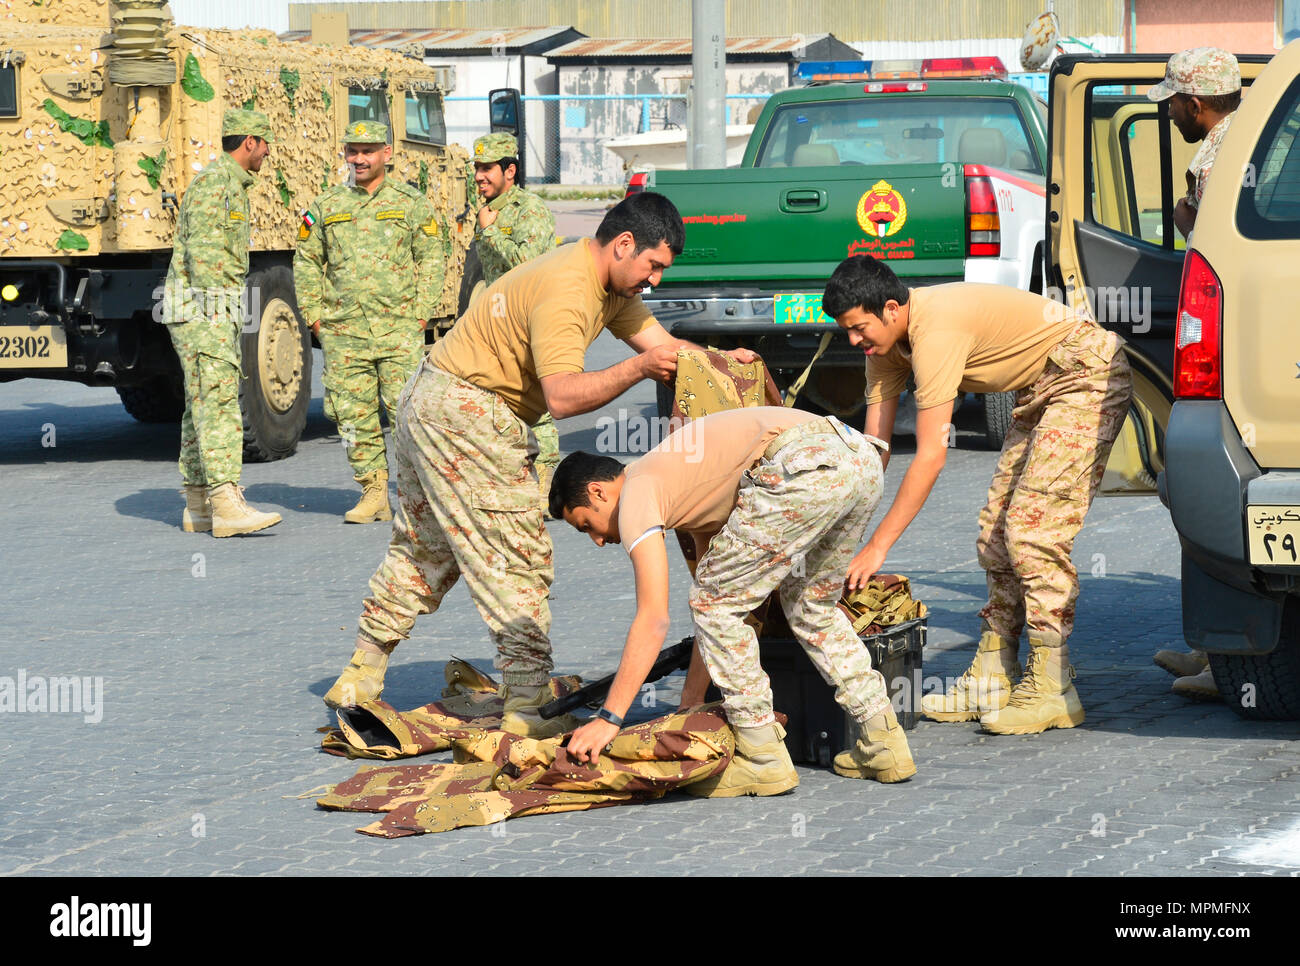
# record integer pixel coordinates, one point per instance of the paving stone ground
(213, 656)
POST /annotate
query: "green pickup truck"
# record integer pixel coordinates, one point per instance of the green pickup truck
(943, 178)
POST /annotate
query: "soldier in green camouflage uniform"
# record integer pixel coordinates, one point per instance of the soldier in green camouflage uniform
(513, 226)
(203, 310)
(369, 272)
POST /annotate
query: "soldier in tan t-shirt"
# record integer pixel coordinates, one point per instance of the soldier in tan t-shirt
(773, 498)
(1074, 386)
(468, 502)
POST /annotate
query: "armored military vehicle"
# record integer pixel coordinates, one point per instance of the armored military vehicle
(107, 111)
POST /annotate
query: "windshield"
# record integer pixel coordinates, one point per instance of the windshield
(894, 130)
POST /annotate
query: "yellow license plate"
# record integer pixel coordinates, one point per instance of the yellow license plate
(1274, 535)
(33, 347)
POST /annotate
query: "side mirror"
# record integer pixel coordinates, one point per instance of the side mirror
(505, 113)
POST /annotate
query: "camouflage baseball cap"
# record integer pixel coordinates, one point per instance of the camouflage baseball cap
(237, 121)
(1202, 71)
(494, 147)
(366, 132)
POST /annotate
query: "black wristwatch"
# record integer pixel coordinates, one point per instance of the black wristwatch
(610, 716)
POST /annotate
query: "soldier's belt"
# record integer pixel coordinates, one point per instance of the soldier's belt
(820, 427)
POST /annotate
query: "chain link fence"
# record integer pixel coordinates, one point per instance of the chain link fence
(598, 140)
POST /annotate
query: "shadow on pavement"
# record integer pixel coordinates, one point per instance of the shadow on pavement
(83, 434)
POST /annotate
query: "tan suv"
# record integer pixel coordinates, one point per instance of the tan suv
(1213, 331)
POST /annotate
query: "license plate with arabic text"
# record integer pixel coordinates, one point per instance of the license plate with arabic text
(1273, 533)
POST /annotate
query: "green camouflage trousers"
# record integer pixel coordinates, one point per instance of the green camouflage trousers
(799, 519)
(1051, 465)
(212, 429)
(359, 374)
(548, 441)
(467, 505)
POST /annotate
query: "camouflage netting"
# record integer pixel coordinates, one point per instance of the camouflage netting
(130, 151)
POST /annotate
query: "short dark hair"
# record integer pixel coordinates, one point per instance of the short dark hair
(569, 484)
(519, 171)
(1221, 103)
(231, 142)
(862, 282)
(650, 217)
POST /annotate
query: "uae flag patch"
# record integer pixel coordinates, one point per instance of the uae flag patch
(308, 222)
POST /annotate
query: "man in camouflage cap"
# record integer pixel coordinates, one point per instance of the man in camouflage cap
(204, 312)
(1203, 88)
(369, 272)
(514, 225)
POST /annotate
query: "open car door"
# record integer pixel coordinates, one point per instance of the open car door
(1116, 167)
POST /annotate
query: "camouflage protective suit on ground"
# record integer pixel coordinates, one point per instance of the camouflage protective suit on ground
(800, 516)
(524, 228)
(1049, 471)
(370, 269)
(497, 775)
(203, 302)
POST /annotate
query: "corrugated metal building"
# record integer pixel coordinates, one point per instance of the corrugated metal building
(860, 22)
(602, 75)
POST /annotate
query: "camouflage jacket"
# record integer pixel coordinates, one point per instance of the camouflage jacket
(524, 229)
(1204, 159)
(210, 249)
(369, 265)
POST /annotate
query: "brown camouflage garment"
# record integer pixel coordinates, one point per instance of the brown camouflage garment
(1051, 465)
(496, 775)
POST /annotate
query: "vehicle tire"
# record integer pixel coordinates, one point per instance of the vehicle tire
(1264, 687)
(158, 401)
(471, 276)
(276, 387)
(997, 417)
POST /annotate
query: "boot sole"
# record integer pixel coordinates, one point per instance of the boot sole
(1067, 720)
(887, 777)
(948, 716)
(188, 527)
(761, 791)
(237, 531)
(373, 518)
(1199, 695)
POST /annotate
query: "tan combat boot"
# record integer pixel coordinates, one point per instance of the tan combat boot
(361, 681)
(881, 753)
(522, 718)
(373, 505)
(232, 516)
(984, 687)
(760, 766)
(197, 515)
(1181, 664)
(1199, 687)
(1044, 698)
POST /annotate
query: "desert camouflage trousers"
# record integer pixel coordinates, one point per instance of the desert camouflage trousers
(212, 429)
(799, 519)
(1050, 469)
(467, 505)
(359, 374)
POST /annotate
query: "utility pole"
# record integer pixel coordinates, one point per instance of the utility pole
(706, 122)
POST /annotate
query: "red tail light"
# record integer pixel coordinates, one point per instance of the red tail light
(983, 227)
(1198, 344)
(637, 183)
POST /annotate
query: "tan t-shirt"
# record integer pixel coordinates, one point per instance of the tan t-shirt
(969, 337)
(535, 321)
(690, 481)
